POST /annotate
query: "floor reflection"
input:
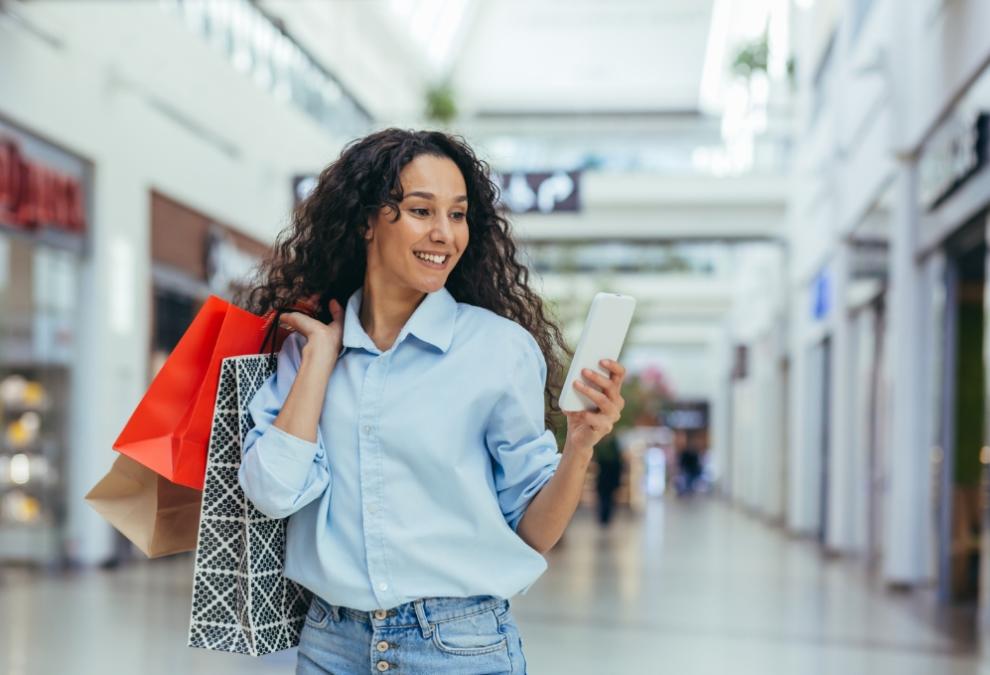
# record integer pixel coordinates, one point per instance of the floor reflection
(687, 587)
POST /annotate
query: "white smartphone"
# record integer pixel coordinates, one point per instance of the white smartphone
(602, 337)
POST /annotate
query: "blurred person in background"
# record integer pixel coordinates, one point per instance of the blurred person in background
(404, 432)
(689, 462)
(608, 457)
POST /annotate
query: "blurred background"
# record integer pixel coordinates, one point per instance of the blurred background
(796, 192)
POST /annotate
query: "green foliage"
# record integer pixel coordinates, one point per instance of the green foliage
(752, 57)
(441, 105)
(644, 393)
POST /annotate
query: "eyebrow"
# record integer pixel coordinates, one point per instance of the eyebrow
(430, 195)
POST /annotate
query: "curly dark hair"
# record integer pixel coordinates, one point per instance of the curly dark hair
(323, 250)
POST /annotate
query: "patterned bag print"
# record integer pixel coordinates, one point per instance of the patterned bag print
(240, 602)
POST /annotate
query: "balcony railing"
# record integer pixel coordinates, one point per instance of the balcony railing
(258, 47)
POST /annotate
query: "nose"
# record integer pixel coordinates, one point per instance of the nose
(443, 229)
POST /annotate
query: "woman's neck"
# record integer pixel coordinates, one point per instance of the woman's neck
(385, 310)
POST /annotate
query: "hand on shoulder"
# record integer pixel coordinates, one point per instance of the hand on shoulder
(323, 339)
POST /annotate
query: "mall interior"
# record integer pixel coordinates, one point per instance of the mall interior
(795, 192)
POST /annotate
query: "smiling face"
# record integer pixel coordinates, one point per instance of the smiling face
(419, 250)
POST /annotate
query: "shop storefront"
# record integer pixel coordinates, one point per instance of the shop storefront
(193, 257)
(44, 222)
(954, 198)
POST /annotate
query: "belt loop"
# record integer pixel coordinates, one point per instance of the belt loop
(334, 613)
(424, 625)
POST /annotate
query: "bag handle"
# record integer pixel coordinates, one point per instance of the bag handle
(308, 306)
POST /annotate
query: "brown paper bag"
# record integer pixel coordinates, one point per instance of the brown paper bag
(158, 516)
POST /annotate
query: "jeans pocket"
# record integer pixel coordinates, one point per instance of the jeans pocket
(318, 614)
(470, 635)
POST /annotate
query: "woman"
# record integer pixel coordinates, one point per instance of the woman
(403, 432)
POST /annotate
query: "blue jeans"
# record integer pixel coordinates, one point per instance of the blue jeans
(468, 636)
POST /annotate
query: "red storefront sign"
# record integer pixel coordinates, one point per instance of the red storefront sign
(33, 196)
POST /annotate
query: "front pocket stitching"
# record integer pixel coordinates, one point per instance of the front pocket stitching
(467, 651)
(474, 612)
(323, 621)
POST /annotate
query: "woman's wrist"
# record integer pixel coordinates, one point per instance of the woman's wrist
(577, 452)
(318, 354)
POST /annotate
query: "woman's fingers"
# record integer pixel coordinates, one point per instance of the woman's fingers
(611, 387)
(605, 404)
(609, 400)
(336, 311)
(595, 377)
(297, 321)
(617, 370)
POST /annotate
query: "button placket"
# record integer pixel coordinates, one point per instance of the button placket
(372, 480)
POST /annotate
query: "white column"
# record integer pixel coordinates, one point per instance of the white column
(802, 476)
(112, 344)
(839, 530)
(907, 527)
(907, 523)
(776, 408)
(720, 350)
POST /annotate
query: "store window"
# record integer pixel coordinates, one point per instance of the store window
(193, 256)
(42, 246)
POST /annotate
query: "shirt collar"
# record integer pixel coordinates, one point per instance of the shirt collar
(432, 322)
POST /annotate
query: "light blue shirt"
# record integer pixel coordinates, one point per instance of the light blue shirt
(427, 455)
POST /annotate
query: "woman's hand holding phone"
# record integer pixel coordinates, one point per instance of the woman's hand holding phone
(590, 396)
(585, 428)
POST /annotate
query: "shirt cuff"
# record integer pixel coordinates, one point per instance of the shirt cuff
(534, 488)
(286, 457)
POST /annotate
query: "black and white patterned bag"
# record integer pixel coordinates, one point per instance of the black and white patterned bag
(241, 602)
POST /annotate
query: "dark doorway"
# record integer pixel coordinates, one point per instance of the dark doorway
(961, 499)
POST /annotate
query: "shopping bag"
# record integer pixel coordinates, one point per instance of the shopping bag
(241, 602)
(158, 516)
(169, 430)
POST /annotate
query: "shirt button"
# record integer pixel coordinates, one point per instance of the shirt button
(372, 508)
(382, 666)
(383, 586)
(380, 614)
(382, 646)
(367, 429)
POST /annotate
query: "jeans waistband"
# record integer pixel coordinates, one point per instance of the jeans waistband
(423, 612)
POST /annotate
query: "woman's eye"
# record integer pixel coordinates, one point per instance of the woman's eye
(457, 214)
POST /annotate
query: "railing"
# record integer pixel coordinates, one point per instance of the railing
(681, 258)
(769, 154)
(258, 47)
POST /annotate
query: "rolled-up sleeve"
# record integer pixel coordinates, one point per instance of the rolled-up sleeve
(280, 473)
(524, 452)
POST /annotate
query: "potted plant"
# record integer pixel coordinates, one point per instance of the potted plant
(441, 106)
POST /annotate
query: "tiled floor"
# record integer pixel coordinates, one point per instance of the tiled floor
(693, 587)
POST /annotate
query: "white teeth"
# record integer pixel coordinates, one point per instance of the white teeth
(438, 259)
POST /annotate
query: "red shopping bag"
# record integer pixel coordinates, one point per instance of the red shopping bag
(169, 430)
